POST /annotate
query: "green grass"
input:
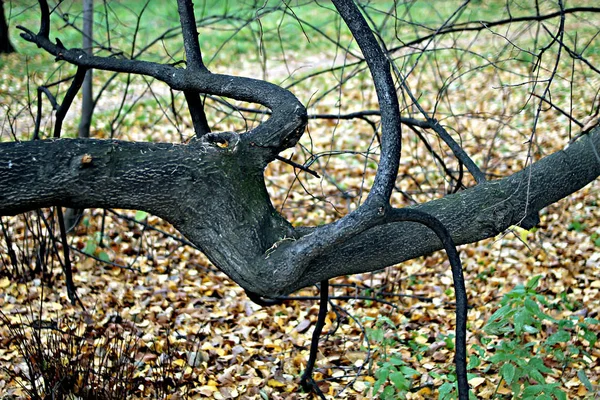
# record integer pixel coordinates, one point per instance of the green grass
(234, 34)
(229, 29)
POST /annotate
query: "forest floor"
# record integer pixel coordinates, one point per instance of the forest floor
(156, 318)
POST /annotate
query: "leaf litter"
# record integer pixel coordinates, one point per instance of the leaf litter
(189, 331)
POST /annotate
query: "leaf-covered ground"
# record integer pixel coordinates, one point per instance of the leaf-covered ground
(187, 330)
(221, 345)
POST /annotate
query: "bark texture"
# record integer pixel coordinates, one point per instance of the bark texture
(212, 190)
(5, 45)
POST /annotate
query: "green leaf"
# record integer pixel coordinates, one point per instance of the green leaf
(508, 372)
(388, 393)
(377, 335)
(399, 381)
(532, 306)
(445, 390)
(140, 215)
(98, 237)
(104, 256)
(538, 364)
(533, 390)
(542, 396)
(536, 375)
(533, 282)
(497, 328)
(382, 375)
(590, 337)
(474, 362)
(522, 317)
(516, 390)
(500, 357)
(584, 379)
(558, 337)
(409, 372)
(90, 247)
(386, 320)
(500, 313)
(396, 360)
(377, 385)
(530, 329)
(559, 394)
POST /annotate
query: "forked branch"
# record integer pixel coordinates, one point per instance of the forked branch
(282, 130)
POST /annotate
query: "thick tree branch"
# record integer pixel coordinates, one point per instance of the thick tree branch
(379, 67)
(196, 109)
(190, 35)
(44, 19)
(212, 190)
(372, 211)
(216, 197)
(472, 215)
(61, 113)
(194, 63)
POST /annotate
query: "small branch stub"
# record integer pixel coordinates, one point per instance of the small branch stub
(86, 160)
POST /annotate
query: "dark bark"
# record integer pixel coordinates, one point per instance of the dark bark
(379, 67)
(62, 110)
(73, 216)
(213, 191)
(87, 100)
(196, 109)
(194, 63)
(190, 35)
(5, 45)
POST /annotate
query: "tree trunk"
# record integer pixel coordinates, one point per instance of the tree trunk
(5, 45)
(73, 216)
(87, 100)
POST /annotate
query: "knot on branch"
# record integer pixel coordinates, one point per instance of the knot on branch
(225, 141)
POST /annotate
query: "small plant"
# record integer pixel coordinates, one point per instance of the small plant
(448, 390)
(92, 246)
(524, 354)
(525, 344)
(392, 374)
(62, 363)
(577, 225)
(596, 238)
(77, 359)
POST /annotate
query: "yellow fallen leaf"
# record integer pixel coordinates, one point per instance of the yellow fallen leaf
(503, 389)
(179, 362)
(421, 340)
(4, 283)
(426, 391)
(476, 381)
(275, 383)
(522, 233)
